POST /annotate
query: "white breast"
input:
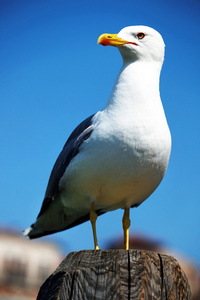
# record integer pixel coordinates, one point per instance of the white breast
(126, 157)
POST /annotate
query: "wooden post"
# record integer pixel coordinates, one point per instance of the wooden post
(116, 274)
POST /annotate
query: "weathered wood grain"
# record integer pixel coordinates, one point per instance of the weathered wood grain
(116, 274)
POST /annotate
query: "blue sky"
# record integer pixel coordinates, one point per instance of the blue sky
(53, 75)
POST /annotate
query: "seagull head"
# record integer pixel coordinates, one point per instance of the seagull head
(136, 43)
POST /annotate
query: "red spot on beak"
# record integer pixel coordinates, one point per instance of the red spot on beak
(105, 42)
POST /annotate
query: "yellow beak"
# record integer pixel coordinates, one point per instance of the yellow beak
(107, 39)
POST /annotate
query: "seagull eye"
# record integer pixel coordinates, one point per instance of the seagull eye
(140, 35)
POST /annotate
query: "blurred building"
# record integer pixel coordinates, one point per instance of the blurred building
(190, 268)
(25, 265)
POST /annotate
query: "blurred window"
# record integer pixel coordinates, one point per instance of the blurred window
(43, 272)
(15, 271)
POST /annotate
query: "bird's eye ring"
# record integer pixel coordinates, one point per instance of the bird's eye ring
(140, 35)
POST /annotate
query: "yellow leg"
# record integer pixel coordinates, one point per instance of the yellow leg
(93, 218)
(126, 224)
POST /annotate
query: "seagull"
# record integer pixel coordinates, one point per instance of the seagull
(117, 157)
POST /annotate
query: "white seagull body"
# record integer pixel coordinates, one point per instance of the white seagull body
(117, 157)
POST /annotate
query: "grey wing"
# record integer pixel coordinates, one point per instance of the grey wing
(69, 151)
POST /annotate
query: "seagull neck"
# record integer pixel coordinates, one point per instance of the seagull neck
(135, 84)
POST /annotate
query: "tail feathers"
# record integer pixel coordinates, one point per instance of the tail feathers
(33, 233)
(27, 231)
